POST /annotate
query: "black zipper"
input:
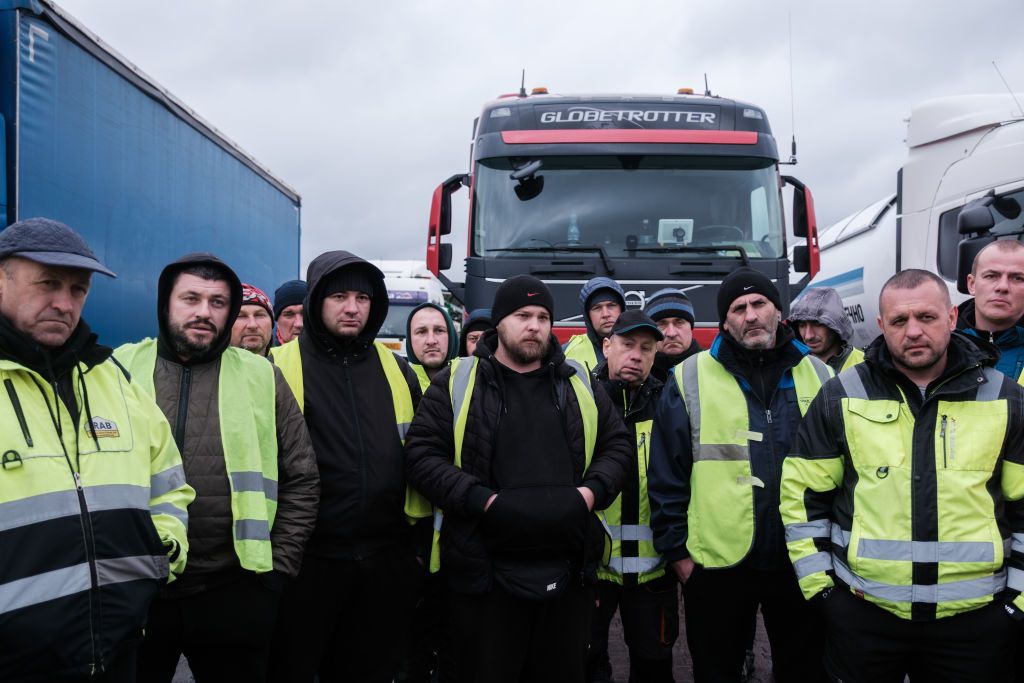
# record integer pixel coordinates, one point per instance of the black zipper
(18, 411)
(346, 370)
(184, 390)
(942, 433)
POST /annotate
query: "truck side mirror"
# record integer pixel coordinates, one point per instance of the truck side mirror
(806, 259)
(967, 250)
(441, 221)
(974, 218)
(444, 257)
(801, 259)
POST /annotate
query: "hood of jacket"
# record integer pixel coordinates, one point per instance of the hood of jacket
(589, 289)
(453, 338)
(479, 319)
(163, 296)
(317, 274)
(822, 305)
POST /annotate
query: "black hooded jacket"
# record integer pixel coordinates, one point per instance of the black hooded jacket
(539, 516)
(351, 418)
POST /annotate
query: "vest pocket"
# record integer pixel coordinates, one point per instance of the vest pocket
(969, 435)
(876, 435)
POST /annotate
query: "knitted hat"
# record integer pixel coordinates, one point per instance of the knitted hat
(254, 295)
(290, 293)
(669, 303)
(741, 282)
(519, 291)
(350, 279)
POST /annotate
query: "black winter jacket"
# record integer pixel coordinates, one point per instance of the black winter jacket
(462, 493)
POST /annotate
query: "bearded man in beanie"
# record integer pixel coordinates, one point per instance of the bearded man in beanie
(672, 310)
(345, 616)
(288, 300)
(254, 326)
(713, 484)
(519, 447)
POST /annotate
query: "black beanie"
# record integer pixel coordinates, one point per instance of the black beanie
(289, 294)
(519, 291)
(741, 282)
(348, 279)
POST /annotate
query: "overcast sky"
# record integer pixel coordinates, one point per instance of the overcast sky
(364, 107)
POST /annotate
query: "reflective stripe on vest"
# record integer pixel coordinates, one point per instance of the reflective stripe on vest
(581, 350)
(642, 559)
(461, 383)
(881, 555)
(721, 511)
(247, 410)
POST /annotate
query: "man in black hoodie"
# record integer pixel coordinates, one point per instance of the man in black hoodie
(247, 453)
(346, 616)
(532, 449)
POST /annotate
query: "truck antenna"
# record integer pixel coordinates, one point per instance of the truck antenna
(707, 89)
(792, 98)
(522, 85)
(1008, 88)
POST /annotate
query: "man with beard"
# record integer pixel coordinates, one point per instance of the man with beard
(254, 325)
(672, 311)
(603, 301)
(346, 616)
(902, 499)
(994, 314)
(92, 498)
(430, 341)
(518, 448)
(634, 580)
(247, 453)
(713, 484)
(820, 322)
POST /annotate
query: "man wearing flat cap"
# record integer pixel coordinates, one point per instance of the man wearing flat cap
(518, 448)
(92, 495)
(714, 484)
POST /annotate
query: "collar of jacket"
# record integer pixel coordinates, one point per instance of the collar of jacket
(965, 353)
(738, 360)
(619, 390)
(81, 347)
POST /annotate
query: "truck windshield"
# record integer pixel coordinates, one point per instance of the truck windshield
(395, 322)
(630, 206)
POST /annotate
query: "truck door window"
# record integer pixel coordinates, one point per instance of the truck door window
(949, 236)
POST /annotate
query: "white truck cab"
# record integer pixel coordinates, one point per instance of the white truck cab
(409, 284)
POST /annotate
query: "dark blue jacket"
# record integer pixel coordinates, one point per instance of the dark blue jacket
(767, 382)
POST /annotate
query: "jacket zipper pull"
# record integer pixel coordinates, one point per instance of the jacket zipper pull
(768, 414)
(78, 481)
(942, 434)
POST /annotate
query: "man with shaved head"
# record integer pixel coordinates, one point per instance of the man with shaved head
(903, 500)
(994, 314)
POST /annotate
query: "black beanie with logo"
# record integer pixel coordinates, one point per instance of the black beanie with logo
(741, 282)
(519, 291)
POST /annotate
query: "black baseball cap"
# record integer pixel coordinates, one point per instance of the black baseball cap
(634, 320)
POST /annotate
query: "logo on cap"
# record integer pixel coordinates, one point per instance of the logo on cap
(532, 293)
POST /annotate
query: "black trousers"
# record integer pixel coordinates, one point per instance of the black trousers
(503, 639)
(346, 620)
(224, 632)
(718, 605)
(866, 643)
(650, 626)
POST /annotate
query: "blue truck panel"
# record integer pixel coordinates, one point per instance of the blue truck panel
(103, 149)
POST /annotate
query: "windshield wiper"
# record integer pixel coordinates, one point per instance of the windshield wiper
(578, 248)
(696, 250)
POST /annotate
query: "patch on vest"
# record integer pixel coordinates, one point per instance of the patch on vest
(102, 428)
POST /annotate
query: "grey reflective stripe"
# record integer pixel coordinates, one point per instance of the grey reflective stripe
(812, 564)
(634, 565)
(252, 530)
(926, 551)
(630, 532)
(254, 482)
(438, 519)
(116, 497)
(172, 510)
(721, 451)
(166, 481)
(460, 383)
(930, 593)
(818, 528)
(989, 390)
(403, 427)
(852, 384)
(1014, 579)
(582, 373)
(1016, 543)
(43, 587)
(691, 398)
(122, 569)
(840, 536)
(820, 369)
(45, 506)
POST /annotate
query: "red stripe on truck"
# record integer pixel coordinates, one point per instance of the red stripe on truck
(615, 135)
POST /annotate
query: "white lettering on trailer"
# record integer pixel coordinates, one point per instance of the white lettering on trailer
(33, 31)
(578, 115)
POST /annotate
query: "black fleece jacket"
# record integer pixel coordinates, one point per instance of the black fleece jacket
(526, 521)
(351, 419)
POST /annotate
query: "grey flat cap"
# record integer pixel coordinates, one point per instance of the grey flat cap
(50, 243)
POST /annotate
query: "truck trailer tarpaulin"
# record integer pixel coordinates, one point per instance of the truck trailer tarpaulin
(92, 141)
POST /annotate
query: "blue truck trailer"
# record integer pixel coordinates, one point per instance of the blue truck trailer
(90, 140)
